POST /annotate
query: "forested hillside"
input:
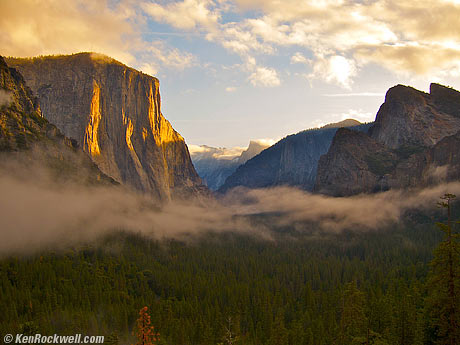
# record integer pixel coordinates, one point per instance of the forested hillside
(301, 288)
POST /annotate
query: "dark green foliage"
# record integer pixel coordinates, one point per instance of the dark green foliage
(405, 151)
(286, 292)
(380, 163)
(444, 283)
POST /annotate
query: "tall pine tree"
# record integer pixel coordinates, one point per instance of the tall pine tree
(444, 283)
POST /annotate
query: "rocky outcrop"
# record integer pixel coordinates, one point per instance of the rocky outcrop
(355, 163)
(114, 114)
(291, 161)
(21, 121)
(29, 140)
(413, 143)
(413, 118)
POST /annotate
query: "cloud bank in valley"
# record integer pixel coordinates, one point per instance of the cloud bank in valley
(37, 213)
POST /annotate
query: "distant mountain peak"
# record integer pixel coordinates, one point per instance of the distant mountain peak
(344, 123)
(255, 147)
(214, 164)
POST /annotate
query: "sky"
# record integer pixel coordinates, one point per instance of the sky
(235, 70)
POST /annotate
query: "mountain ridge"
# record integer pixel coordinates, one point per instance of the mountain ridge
(291, 161)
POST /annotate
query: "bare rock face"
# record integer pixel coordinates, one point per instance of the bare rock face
(355, 163)
(414, 143)
(437, 164)
(113, 112)
(29, 142)
(413, 118)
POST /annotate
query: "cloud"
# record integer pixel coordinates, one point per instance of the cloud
(115, 29)
(265, 142)
(299, 58)
(263, 76)
(358, 114)
(159, 55)
(337, 69)
(230, 89)
(37, 212)
(416, 38)
(187, 14)
(358, 213)
(203, 152)
(46, 27)
(413, 58)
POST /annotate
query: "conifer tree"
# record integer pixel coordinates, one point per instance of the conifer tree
(444, 282)
(145, 332)
(353, 323)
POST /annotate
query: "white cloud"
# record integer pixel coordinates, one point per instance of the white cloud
(358, 114)
(265, 142)
(204, 152)
(187, 14)
(263, 76)
(336, 68)
(404, 36)
(230, 89)
(159, 54)
(299, 58)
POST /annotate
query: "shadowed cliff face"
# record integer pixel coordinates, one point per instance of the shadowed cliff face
(113, 112)
(353, 164)
(414, 143)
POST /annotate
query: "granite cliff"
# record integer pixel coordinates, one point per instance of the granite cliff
(291, 161)
(409, 117)
(114, 114)
(414, 142)
(29, 140)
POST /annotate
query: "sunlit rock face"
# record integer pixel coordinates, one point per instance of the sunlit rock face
(114, 113)
(412, 117)
(414, 143)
